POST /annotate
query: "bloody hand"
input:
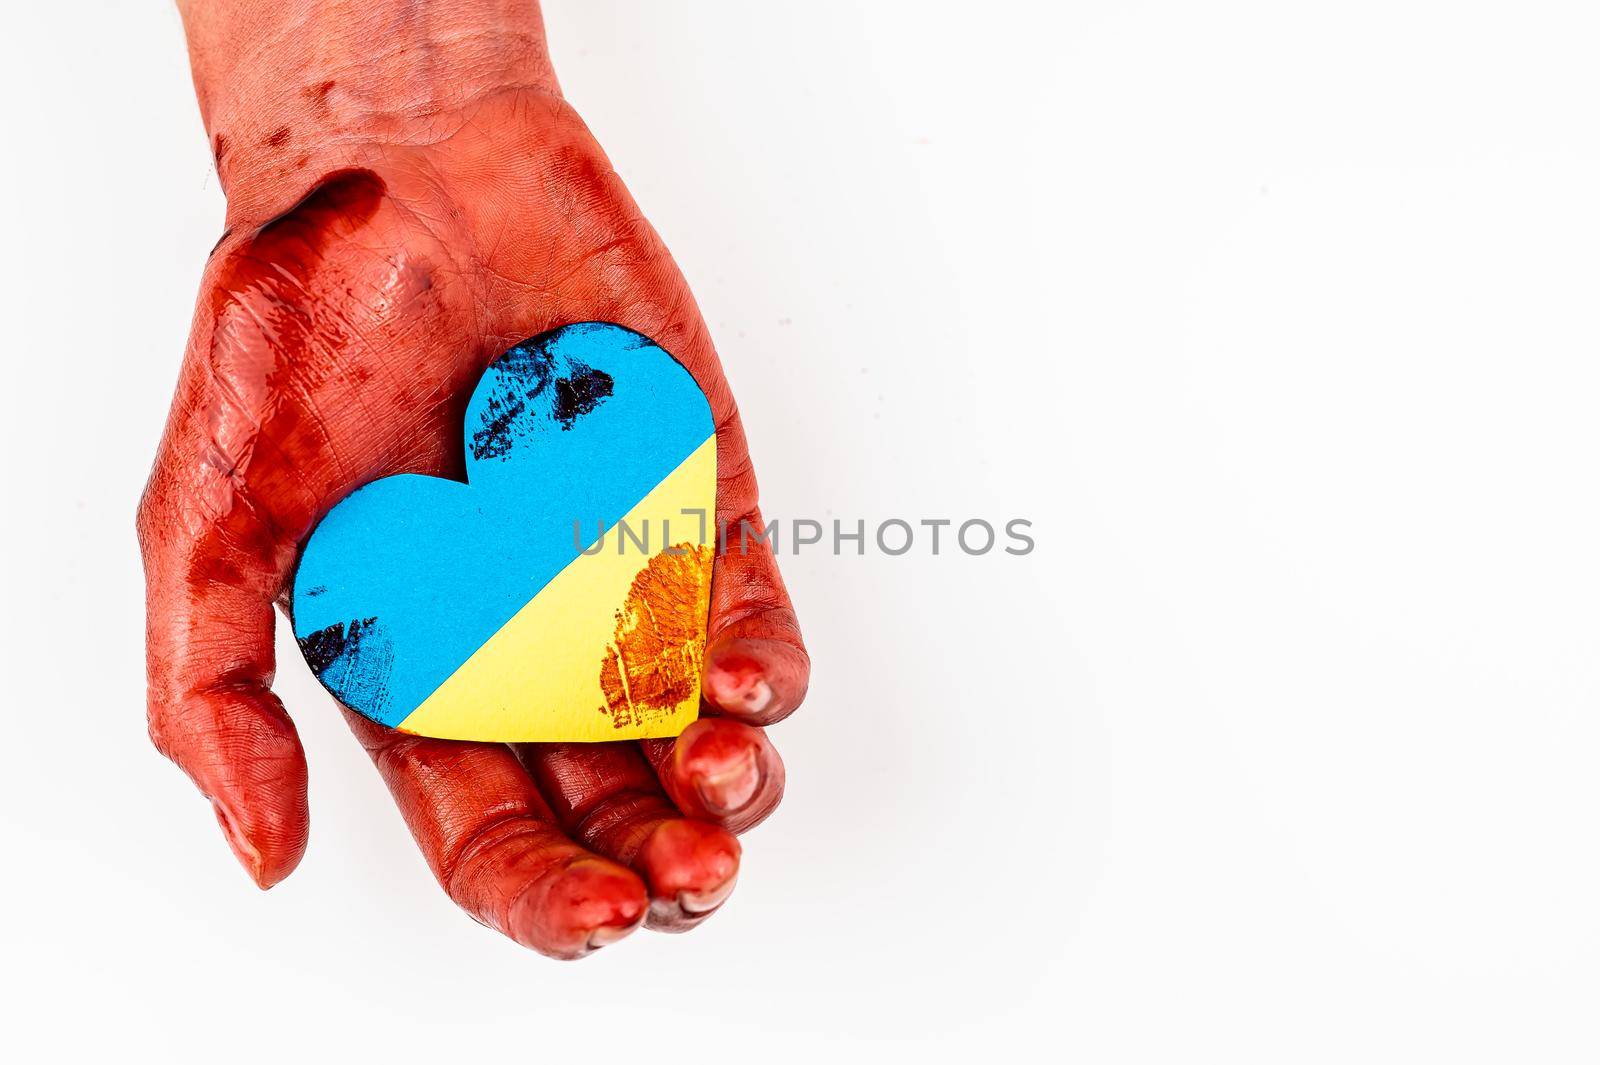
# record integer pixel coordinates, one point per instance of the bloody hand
(390, 230)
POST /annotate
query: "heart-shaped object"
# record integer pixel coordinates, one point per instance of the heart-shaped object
(478, 611)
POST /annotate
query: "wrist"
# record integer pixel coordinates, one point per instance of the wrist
(298, 85)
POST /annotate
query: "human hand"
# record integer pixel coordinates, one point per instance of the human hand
(390, 232)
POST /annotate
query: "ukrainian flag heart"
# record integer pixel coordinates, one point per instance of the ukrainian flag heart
(477, 610)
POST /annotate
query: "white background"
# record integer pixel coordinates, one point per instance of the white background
(1278, 320)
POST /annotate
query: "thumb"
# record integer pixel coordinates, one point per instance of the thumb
(211, 574)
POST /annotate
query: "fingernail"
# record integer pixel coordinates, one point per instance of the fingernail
(586, 905)
(241, 846)
(605, 936)
(730, 788)
(725, 771)
(738, 684)
(692, 867)
(693, 859)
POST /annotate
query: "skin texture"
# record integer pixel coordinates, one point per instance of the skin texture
(389, 232)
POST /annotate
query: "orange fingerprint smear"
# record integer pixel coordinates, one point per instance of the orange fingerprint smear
(652, 665)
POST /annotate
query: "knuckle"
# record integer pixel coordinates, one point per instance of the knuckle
(400, 756)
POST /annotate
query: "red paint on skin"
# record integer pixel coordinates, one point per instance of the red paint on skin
(318, 94)
(721, 770)
(736, 669)
(241, 846)
(736, 681)
(609, 799)
(691, 867)
(755, 680)
(753, 637)
(259, 329)
(291, 247)
(587, 905)
(494, 842)
(338, 343)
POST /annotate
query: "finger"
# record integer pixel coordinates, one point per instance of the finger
(756, 668)
(720, 770)
(210, 577)
(607, 797)
(494, 845)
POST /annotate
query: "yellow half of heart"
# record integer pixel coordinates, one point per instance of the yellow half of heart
(611, 648)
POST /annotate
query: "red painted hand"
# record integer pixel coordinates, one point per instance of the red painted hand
(363, 285)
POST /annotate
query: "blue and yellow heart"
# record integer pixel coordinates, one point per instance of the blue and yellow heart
(469, 610)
